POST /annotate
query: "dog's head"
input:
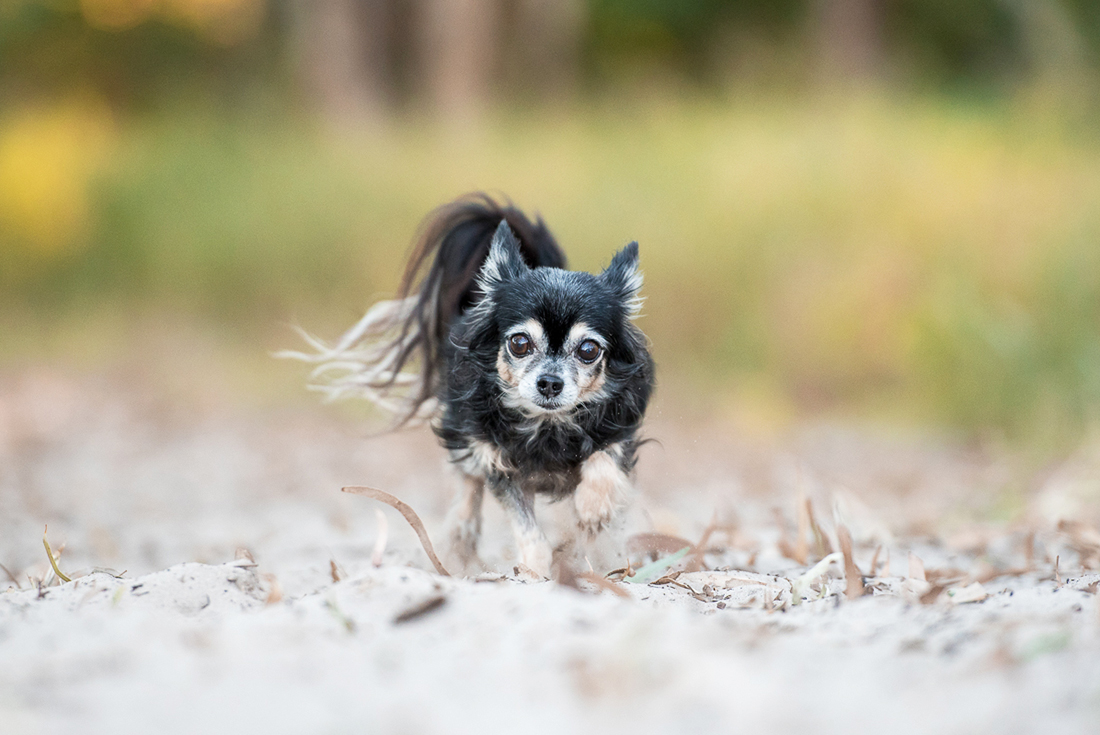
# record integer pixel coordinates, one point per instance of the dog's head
(564, 338)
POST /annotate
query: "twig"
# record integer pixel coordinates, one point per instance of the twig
(410, 515)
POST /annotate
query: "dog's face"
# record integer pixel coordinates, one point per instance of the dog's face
(564, 337)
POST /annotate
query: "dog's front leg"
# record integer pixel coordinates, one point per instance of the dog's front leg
(534, 549)
(603, 489)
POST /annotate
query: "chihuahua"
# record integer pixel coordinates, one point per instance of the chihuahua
(535, 378)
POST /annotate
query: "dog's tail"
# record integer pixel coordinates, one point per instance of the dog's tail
(392, 357)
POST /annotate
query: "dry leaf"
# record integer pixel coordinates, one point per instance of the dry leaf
(244, 554)
(853, 578)
(916, 568)
(420, 609)
(274, 589)
(604, 584)
(971, 593)
(656, 544)
(874, 562)
(410, 515)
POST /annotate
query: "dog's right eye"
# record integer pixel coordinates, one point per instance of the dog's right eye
(519, 344)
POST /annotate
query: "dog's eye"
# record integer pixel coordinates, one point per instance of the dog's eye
(588, 351)
(519, 344)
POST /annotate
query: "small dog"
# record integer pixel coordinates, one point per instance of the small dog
(535, 378)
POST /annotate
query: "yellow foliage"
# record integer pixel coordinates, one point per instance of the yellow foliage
(222, 21)
(117, 15)
(47, 158)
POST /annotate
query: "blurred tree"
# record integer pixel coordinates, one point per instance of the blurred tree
(343, 49)
(458, 40)
(849, 39)
(361, 58)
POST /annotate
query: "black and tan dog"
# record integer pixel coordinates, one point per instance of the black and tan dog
(535, 378)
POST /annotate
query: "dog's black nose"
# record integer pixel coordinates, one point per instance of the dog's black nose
(550, 386)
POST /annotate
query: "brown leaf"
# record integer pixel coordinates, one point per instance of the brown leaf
(784, 544)
(420, 609)
(874, 562)
(659, 544)
(946, 577)
(604, 584)
(410, 515)
(244, 554)
(824, 548)
(932, 594)
(916, 568)
(274, 589)
(854, 580)
(1084, 539)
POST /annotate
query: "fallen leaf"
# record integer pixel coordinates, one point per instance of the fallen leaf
(420, 609)
(853, 579)
(409, 514)
(971, 593)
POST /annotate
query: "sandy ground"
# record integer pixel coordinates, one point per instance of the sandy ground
(304, 634)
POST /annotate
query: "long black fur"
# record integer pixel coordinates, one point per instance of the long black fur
(459, 344)
(442, 273)
(482, 273)
(545, 452)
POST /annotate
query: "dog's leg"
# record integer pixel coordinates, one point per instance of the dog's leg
(465, 522)
(534, 549)
(603, 489)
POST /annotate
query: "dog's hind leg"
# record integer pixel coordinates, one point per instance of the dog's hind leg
(534, 549)
(464, 522)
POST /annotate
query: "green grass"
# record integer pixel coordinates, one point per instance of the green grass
(912, 258)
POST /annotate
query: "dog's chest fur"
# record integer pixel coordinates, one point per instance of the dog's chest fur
(485, 438)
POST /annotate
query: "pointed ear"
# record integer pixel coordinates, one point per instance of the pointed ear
(504, 262)
(624, 277)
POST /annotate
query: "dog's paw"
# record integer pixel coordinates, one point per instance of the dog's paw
(537, 556)
(603, 489)
(463, 548)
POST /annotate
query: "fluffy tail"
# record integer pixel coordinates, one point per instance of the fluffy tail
(392, 357)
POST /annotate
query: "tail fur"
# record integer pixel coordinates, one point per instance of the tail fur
(392, 357)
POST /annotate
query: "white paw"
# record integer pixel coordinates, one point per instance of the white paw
(603, 489)
(463, 547)
(537, 556)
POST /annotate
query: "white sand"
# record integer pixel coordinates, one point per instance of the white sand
(181, 646)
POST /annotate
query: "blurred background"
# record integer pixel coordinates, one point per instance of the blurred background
(872, 209)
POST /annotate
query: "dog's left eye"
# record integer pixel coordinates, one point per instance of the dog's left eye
(588, 351)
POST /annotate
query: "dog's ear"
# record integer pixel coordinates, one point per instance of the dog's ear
(624, 277)
(504, 262)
